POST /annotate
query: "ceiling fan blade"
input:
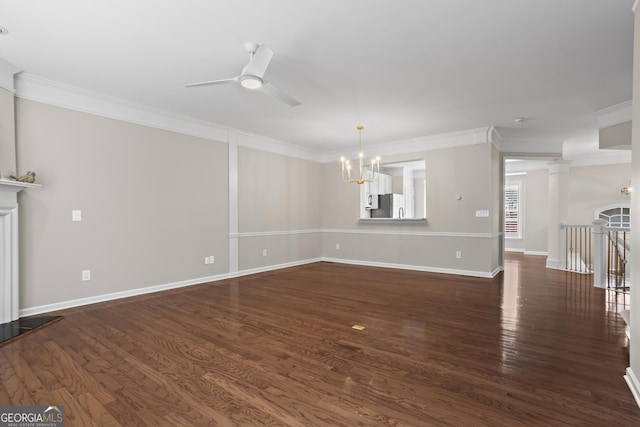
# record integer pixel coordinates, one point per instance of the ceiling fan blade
(259, 63)
(215, 82)
(271, 90)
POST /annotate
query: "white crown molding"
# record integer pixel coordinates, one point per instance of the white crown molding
(262, 143)
(35, 88)
(7, 73)
(528, 146)
(474, 136)
(523, 145)
(39, 89)
(602, 157)
(614, 115)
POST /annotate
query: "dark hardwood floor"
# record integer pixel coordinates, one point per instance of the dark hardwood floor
(531, 347)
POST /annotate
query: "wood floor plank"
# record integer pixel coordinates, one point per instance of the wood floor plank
(96, 411)
(75, 414)
(13, 386)
(531, 347)
(37, 393)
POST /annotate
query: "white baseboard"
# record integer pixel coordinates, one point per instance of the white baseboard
(472, 273)
(634, 385)
(540, 253)
(275, 267)
(556, 264)
(48, 308)
(526, 252)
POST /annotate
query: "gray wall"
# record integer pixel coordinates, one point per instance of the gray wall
(279, 209)
(451, 224)
(535, 185)
(537, 215)
(154, 204)
(592, 187)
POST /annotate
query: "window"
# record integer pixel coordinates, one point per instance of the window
(512, 210)
(618, 217)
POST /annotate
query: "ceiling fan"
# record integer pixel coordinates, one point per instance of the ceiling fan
(252, 75)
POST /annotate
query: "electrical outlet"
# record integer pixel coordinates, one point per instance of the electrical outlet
(458, 254)
(264, 252)
(337, 246)
(212, 259)
(86, 275)
(76, 215)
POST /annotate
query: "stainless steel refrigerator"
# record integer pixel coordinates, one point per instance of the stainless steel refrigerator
(389, 206)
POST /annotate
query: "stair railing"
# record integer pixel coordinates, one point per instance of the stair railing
(578, 244)
(617, 258)
(611, 255)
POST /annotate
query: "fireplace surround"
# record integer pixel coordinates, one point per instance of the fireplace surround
(9, 239)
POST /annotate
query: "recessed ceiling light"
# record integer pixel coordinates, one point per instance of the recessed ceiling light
(3, 30)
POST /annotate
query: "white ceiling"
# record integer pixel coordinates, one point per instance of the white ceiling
(404, 69)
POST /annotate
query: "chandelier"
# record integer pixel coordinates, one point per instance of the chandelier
(365, 173)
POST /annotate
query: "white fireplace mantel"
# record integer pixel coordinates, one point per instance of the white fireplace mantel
(9, 284)
(15, 186)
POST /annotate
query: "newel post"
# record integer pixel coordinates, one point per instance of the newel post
(599, 254)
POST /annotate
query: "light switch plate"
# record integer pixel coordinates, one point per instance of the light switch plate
(480, 213)
(76, 215)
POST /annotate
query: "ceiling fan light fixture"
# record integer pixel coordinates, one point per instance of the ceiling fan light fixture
(251, 82)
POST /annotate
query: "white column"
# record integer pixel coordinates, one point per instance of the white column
(633, 371)
(9, 280)
(9, 302)
(233, 204)
(599, 254)
(558, 212)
